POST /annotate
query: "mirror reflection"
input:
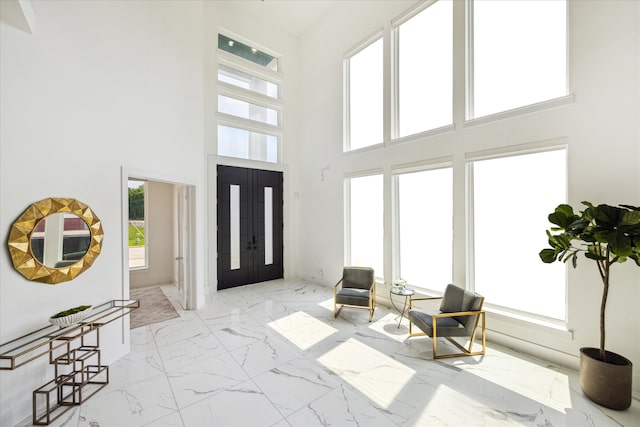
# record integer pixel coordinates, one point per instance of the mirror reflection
(60, 239)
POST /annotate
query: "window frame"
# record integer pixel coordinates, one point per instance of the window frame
(145, 184)
(395, 75)
(231, 61)
(396, 172)
(470, 118)
(501, 153)
(376, 36)
(379, 276)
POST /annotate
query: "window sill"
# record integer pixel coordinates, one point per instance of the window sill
(533, 108)
(517, 320)
(425, 134)
(364, 149)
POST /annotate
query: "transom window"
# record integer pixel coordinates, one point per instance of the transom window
(247, 52)
(249, 103)
(247, 81)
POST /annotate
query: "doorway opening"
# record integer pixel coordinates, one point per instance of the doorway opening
(159, 244)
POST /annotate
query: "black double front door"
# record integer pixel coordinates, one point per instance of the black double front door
(249, 226)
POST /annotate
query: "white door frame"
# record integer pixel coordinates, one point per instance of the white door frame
(190, 265)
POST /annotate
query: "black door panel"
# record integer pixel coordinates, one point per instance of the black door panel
(250, 266)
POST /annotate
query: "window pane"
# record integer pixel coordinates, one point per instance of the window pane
(365, 97)
(425, 215)
(519, 53)
(244, 144)
(247, 110)
(268, 225)
(425, 62)
(247, 52)
(512, 198)
(234, 225)
(366, 208)
(247, 81)
(137, 224)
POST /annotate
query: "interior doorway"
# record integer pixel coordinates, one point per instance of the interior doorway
(250, 224)
(166, 234)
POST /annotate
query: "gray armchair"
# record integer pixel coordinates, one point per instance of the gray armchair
(358, 289)
(460, 312)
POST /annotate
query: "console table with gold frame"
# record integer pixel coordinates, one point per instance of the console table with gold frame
(74, 351)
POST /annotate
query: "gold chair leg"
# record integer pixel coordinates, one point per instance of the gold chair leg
(435, 341)
(336, 312)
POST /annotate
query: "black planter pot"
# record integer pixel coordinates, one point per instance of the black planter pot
(606, 383)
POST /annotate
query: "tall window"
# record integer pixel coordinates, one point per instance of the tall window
(518, 54)
(249, 104)
(512, 197)
(137, 224)
(425, 228)
(425, 70)
(365, 209)
(364, 97)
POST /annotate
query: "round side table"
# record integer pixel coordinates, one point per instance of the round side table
(406, 293)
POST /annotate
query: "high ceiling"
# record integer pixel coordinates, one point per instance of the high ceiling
(292, 16)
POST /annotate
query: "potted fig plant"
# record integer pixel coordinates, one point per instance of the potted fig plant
(607, 235)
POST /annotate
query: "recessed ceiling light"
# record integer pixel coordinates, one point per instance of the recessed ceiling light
(230, 42)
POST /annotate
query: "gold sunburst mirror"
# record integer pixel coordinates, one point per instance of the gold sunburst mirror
(55, 240)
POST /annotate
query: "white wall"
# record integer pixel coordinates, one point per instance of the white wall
(601, 128)
(159, 238)
(99, 85)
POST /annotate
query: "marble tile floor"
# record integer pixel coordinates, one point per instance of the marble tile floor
(272, 354)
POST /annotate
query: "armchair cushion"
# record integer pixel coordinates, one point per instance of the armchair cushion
(353, 296)
(357, 287)
(456, 299)
(357, 277)
(446, 326)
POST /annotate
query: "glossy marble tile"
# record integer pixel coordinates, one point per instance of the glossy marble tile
(240, 406)
(197, 348)
(341, 407)
(273, 354)
(197, 382)
(295, 384)
(134, 404)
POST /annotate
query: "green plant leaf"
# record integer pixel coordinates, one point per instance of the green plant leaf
(578, 226)
(71, 311)
(630, 218)
(562, 216)
(548, 255)
(619, 243)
